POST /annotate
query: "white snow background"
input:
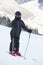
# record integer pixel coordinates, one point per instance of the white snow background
(34, 54)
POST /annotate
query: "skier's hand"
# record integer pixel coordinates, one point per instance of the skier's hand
(29, 30)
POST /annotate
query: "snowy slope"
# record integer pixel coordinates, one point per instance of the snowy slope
(37, 20)
(30, 13)
(9, 7)
(34, 54)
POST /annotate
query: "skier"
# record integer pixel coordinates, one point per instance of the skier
(17, 24)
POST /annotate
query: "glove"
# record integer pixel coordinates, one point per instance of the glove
(29, 30)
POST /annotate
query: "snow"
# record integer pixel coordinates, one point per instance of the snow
(37, 20)
(9, 7)
(34, 54)
(30, 12)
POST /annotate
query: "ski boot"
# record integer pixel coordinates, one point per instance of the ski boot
(12, 53)
(18, 54)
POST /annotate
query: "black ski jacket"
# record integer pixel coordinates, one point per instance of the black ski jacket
(17, 25)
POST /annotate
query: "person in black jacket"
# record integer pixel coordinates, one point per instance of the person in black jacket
(17, 24)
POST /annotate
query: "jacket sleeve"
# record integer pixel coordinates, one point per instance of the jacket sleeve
(25, 28)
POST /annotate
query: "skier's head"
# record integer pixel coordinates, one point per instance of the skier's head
(18, 14)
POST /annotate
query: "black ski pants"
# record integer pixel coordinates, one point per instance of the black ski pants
(14, 45)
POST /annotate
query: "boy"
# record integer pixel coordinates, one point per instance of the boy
(17, 25)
